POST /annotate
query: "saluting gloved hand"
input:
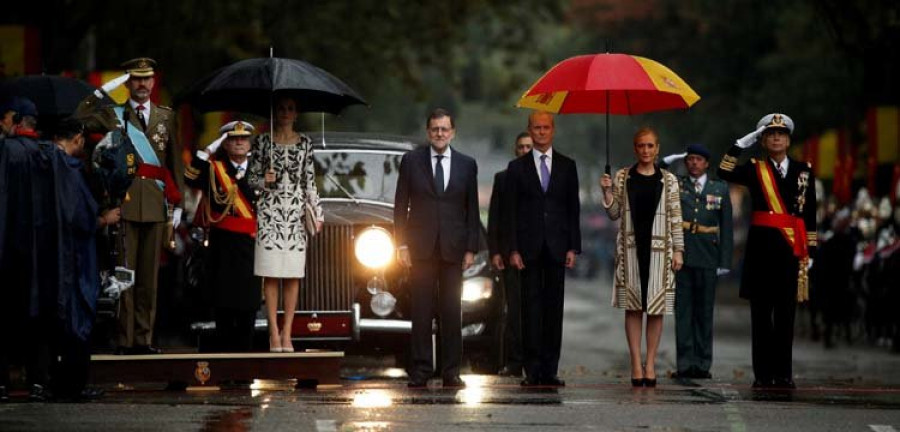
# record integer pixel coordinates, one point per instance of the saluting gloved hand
(749, 139)
(211, 147)
(722, 271)
(111, 85)
(670, 159)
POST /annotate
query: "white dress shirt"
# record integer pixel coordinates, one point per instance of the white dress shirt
(783, 165)
(146, 111)
(445, 162)
(537, 161)
(700, 180)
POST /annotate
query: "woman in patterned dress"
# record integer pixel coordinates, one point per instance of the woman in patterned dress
(284, 172)
(649, 248)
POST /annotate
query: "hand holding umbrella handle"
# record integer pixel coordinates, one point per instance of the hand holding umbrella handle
(748, 140)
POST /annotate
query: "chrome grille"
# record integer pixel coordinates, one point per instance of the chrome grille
(328, 285)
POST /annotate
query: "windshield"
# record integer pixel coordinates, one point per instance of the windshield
(367, 175)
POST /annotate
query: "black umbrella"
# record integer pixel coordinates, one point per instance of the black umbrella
(54, 96)
(250, 85)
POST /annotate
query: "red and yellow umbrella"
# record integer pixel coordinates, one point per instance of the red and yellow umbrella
(611, 84)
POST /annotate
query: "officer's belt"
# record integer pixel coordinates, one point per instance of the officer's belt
(236, 224)
(155, 172)
(794, 226)
(695, 228)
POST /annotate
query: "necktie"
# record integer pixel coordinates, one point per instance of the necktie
(697, 186)
(545, 174)
(780, 170)
(141, 117)
(240, 172)
(439, 175)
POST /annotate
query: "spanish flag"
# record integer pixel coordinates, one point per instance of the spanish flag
(883, 139)
(20, 50)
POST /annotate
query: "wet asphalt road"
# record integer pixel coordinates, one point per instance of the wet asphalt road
(853, 388)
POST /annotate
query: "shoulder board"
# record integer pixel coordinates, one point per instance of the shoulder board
(164, 107)
(752, 160)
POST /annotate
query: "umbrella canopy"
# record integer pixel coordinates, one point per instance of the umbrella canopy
(608, 83)
(250, 85)
(54, 96)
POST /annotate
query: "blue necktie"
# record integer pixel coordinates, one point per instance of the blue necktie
(545, 174)
(439, 175)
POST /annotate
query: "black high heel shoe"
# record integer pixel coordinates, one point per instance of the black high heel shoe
(638, 382)
(649, 382)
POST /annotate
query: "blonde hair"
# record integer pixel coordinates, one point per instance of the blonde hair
(645, 130)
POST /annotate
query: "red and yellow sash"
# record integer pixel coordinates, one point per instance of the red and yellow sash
(245, 221)
(792, 228)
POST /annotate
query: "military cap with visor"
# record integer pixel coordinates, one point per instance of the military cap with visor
(140, 67)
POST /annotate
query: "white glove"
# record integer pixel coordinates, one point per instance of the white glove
(112, 84)
(212, 147)
(810, 264)
(749, 139)
(722, 271)
(176, 217)
(670, 159)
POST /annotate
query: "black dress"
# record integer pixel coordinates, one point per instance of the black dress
(644, 192)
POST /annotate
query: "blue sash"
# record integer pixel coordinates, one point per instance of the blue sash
(140, 141)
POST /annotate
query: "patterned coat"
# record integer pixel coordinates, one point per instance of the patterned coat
(667, 238)
(281, 237)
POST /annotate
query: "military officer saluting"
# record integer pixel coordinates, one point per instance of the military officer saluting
(151, 199)
(708, 244)
(781, 238)
(229, 211)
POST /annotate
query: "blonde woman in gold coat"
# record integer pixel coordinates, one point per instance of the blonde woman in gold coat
(644, 198)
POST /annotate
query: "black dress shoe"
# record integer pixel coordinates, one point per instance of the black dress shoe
(784, 383)
(762, 383)
(680, 375)
(699, 374)
(145, 350)
(553, 381)
(417, 384)
(4, 394)
(91, 393)
(530, 382)
(454, 382)
(38, 393)
(120, 350)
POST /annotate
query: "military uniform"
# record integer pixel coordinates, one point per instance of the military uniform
(708, 244)
(781, 237)
(144, 212)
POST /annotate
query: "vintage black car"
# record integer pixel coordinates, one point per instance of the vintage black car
(355, 296)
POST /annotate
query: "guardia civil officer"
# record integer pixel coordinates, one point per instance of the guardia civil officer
(708, 244)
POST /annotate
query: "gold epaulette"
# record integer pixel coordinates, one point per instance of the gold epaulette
(165, 107)
(812, 238)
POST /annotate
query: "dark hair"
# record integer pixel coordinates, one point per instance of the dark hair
(522, 135)
(68, 128)
(439, 113)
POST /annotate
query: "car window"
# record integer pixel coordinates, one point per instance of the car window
(369, 175)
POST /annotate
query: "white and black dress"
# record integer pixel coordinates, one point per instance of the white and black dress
(281, 237)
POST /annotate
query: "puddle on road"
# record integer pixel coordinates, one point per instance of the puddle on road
(228, 421)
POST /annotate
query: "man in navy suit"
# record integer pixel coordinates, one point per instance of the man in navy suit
(436, 227)
(543, 239)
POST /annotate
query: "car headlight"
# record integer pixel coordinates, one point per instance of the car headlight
(478, 264)
(477, 288)
(374, 247)
(383, 304)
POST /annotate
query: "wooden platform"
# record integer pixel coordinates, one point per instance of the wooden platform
(310, 369)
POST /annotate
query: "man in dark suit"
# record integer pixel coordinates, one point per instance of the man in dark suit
(512, 330)
(436, 227)
(543, 237)
(781, 239)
